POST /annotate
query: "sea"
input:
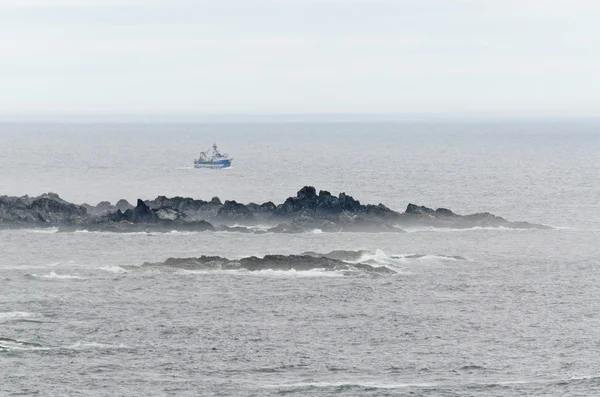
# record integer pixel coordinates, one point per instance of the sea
(471, 312)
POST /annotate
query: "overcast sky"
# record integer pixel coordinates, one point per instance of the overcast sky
(74, 57)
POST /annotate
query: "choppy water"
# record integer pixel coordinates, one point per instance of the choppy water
(519, 315)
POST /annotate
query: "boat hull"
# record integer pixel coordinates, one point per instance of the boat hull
(213, 164)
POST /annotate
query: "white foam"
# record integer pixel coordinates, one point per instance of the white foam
(113, 269)
(469, 229)
(252, 227)
(377, 256)
(105, 232)
(49, 230)
(316, 231)
(427, 257)
(16, 314)
(54, 275)
(19, 346)
(82, 345)
(354, 384)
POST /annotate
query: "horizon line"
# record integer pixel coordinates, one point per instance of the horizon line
(299, 117)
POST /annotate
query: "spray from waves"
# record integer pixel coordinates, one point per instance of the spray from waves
(55, 276)
(400, 261)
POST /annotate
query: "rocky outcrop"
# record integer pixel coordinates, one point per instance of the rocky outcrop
(307, 211)
(45, 210)
(272, 262)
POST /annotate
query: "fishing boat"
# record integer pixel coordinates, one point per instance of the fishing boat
(212, 158)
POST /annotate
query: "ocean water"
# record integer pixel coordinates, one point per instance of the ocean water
(492, 312)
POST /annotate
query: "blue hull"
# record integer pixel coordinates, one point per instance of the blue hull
(213, 164)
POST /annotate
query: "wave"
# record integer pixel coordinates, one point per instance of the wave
(270, 273)
(337, 387)
(42, 230)
(85, 231)
(466, 229)
(10, 315)
(10, 344)
(113, 269)
(381, 258)
(54, 275)
(15, 345)
(259, 227)
(430, 257)
(45, 266)
(83, 345)
(140, 233)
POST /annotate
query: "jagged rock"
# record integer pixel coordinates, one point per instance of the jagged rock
(168, 214)
(45, 210)
(123, 205)
(234, 210)
(305, 212)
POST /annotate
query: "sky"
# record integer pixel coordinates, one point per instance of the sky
(196, 57)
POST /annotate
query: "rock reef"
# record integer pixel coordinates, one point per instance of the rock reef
(302, 262)
(307, 211)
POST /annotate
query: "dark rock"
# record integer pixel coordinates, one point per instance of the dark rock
(306, 211)
(233, 210)
(143, 213)
(419, 210)
(123, 205)
(272, 262)
(444, 212)
(47, 209)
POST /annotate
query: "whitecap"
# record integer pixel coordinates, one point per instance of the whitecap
(50, 230)
(370, 385)
(113, 269)
(468, 229)
(54, 275)
(16, 314)
(177, 233)
(83, 345)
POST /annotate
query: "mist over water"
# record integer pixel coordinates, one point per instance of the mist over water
(494, 312)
